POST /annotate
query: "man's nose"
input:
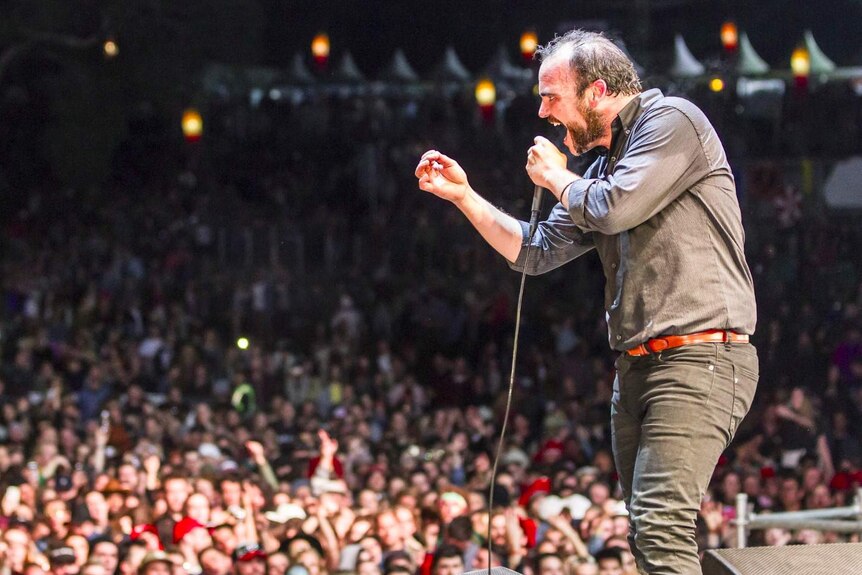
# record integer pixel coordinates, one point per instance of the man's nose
(543, 110)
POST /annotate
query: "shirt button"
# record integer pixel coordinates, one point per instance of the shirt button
(619, 337)
(613, 266)
(627, 131)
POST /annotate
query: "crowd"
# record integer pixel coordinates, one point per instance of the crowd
(356, 428)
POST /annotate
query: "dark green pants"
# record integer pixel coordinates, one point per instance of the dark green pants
(672, 415)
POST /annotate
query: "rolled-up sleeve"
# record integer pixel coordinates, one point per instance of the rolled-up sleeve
(664, 159)
(557, 240)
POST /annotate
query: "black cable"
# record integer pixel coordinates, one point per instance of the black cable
(534, 220)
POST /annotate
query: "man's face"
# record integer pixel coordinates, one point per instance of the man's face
(256, 566)
(157, 568)
(449, 566)
(551, 566)
(214, 562)
(17, 543)
(562, 105)
(176, 492)
(610, 567)
(107, 554)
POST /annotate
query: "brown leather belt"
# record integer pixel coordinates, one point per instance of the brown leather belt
(658, 344)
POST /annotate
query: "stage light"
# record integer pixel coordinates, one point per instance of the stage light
(529, 43)
(729, 36)
(193, 125)
(110, 48)
(800, 63)
(320, 49)
(242, 343)
(716, 84)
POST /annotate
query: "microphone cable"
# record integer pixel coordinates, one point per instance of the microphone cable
(534, 222)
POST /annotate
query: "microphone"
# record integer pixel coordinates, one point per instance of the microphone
(535, 208)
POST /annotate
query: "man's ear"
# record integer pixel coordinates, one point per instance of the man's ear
(599, 89)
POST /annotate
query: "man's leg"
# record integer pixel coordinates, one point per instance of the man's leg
(690, 401)
(625, 438)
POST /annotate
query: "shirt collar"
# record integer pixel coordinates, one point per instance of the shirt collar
(629, 114)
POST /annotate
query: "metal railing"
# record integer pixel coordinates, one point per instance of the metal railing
(838, 519)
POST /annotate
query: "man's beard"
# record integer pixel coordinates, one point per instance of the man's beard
(583, 139)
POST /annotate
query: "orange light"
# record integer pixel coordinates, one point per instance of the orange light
(486, 93)
(729, 36)
(800, 63)
(529, 43)
(320, 48)
(716, 84)
(193, 125)
(110, 48)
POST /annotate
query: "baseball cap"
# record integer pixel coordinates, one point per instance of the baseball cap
(248, 552)
(153, 557)
(61, 555)
(184, 526)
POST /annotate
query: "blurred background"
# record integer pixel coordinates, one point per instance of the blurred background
(210, 232)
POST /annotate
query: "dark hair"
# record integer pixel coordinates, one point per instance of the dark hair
(593, 57)
(445, 551)
(460, 528)
(610, 553)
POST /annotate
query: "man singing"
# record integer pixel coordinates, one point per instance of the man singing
(659, 206)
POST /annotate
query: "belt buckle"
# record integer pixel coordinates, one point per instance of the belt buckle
(657, 345)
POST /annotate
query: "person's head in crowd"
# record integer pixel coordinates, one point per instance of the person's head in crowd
(420, 481)
(63, 561)
(33, 569)
(197, 507)
(598, 492)
(97, 507)
(93, 568)
(131, 555)
(368, 502)
(177, 489)
(230, 488)
(80, 546)
(371, 550)
(298, 544)
(610, 561)
(549, 564)
(790, 495)
(214, 562)
(360, 527)
(730, 487)
(312, 560)
(17, 542)
(459, 532)
(497, 530)
(155, 563)
(819, 498)
(225, 538)
(451, 503)
(249, 560)
(389, 530)
(398, 559)
(485, 559)
(149, 534)
(407, 518)
(777, 537)
(368, 568)
(447, 560)
(58, 517)
(127, 475)
(192, 535)
(277, 563)
(622, 543)
(586, 568)
(106, 552)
